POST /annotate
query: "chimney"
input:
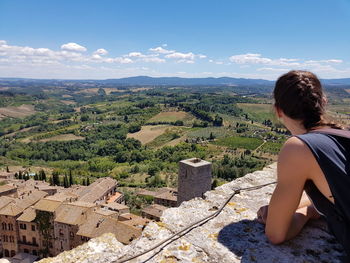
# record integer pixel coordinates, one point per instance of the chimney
(194, 179)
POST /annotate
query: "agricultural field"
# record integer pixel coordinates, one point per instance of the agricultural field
(148, 133)
(63, 137)
(239, 142)
(17, 112)
(172, 116)
(258, 112)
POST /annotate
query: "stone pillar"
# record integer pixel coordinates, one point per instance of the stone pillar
(194, 179)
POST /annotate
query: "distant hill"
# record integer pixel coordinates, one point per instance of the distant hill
(168, 81)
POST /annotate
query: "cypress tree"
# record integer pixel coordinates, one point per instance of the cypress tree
(70, 178)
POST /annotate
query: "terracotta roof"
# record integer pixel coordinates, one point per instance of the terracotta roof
(71, 214)
(7, 187)
(28, 215)
(21, 203)
(146, 192)
(63, 196)
(97, 225)
(167, 196)
(4, 201)
(133, 220)
(154, 210)
(115, 206)
(97, 189)
(105, 212)
(47, 205)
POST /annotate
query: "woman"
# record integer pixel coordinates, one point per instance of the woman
(312, 160)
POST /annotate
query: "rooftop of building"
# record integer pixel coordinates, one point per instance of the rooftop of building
(71, 214)
(28, 215)
(232, 236)
(154, 210)
(22, 202)
(6, 188)
(115, 206)
(47, 205)
(97, 189)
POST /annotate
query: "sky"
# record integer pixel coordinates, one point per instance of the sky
(186, 38)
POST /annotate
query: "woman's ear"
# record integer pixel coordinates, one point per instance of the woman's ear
(278, 112)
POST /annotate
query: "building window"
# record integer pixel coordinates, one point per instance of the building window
(7, 253)
(13, 253)
(71, 234)
(61, 232)
(34, 241)
(10, 226)
(23, 226)
(4, 226)
(24, 239)
(12, 239)
(33, 227)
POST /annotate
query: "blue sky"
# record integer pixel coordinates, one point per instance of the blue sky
(192, 38)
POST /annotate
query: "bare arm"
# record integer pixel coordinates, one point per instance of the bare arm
(287, 214)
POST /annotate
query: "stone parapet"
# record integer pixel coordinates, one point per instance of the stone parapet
(232, 236)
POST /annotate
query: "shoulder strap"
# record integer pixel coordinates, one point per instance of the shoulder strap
(336, 132)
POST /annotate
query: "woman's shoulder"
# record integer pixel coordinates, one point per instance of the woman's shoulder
(295, 151)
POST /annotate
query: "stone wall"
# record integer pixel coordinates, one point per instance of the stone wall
(232, 236)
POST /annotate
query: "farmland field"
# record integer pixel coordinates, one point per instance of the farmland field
(63, 137)
(17, 112)
(172, 116)
(149, 133)
(258, 112)
(239, 142)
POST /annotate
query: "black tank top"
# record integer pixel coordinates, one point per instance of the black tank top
(333, 156)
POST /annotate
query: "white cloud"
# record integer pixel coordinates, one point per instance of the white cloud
(101, 51)
(161, 50)
(2, 42)
(73, 47)
(273, 69)
(179, 55)
(202, 56)
(123, 60)
(249, 58)
(136, 54)
(153, 59)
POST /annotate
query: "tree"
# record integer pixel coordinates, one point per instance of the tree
(218, 121)
(7, 169)
(65, 181)
(70, 178)
(55, 178)
(101, 92)
(211, 136)
(126, 118)
(42, 175)
(88, 181)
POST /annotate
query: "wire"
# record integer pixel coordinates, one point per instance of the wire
(195, 224)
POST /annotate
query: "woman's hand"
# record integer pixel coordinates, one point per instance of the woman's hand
(262, 214)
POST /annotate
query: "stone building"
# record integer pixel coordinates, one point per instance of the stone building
(69, 217)
(153, 212)
(99, 191)
(29, 235)
(166, 197)
(45, 211)
(8, 220)
(194, 179)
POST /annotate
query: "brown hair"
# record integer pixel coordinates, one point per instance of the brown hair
(299, 95)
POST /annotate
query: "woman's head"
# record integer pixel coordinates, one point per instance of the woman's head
(299, 95)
